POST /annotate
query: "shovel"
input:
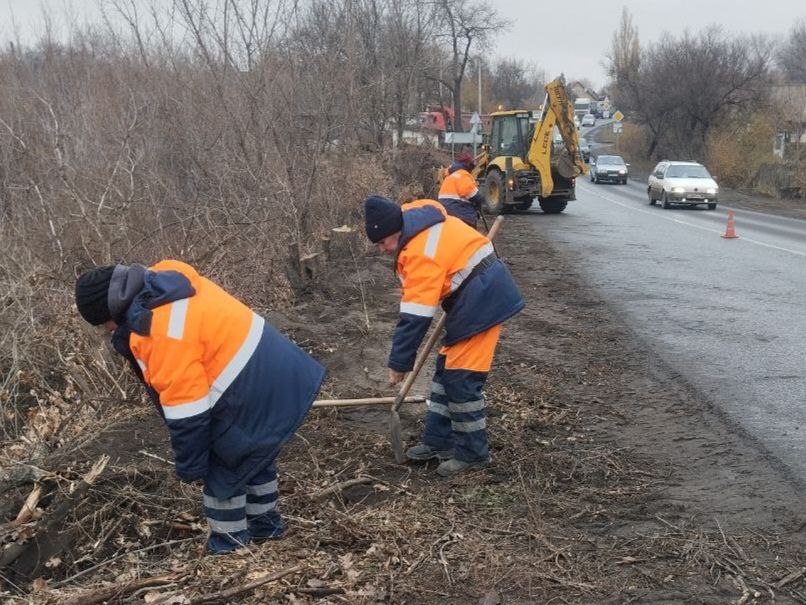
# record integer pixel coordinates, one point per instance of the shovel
(395, 431)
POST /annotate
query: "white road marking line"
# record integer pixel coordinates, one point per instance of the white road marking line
(682, 222)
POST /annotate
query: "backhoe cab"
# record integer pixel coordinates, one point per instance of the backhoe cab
(522, 161)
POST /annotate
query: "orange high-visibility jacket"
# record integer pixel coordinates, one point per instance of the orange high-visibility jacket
(443, 261)
(189, 376)
(460, 194)
(458, 185)
(231, 388)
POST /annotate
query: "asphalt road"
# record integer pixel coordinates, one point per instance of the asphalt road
(727, 314)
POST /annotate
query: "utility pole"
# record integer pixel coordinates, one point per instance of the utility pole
(479, 62)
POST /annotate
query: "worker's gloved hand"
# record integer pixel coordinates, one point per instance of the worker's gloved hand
(395, 377)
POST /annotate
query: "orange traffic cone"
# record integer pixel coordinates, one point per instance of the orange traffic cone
(730, 232)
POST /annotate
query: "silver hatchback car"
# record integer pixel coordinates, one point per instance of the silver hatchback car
(682, 183)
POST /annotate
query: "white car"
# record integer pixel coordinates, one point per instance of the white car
(589, 120)
(682, 184)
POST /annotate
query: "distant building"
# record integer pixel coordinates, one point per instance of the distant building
(577, 89)
(430, 126)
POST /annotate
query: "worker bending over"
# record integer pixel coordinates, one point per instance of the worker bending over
(441, 260)
(231, 389)
(459, 192)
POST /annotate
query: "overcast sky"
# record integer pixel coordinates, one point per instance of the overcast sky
(571, 42)
(574, 43)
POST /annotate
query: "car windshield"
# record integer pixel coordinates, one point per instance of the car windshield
(688, 171)
(610, 159)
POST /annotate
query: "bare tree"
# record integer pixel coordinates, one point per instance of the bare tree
(624, 58)
(510, 84)
(407, 32)
(464, 26)
(680, 88)
(792, 54)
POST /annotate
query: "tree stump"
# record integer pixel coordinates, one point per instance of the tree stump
(311, 266)
(293, 269)
(343, 242)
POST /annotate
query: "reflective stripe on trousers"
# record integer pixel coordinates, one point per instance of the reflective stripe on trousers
(457, 425)
(237, 513)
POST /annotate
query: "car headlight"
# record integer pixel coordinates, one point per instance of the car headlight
(711, 191)
(622, 171)
(678, 189)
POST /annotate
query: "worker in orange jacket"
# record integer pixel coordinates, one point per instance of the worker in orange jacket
(441, 261)
(231, 389)
(459, 192)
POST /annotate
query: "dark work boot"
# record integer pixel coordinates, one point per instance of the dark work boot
(453, 467)
(422, 452)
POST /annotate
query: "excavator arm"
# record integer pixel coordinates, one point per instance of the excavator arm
(557, 111)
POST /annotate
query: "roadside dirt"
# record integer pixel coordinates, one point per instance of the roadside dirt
(791, 208)
(612, 481)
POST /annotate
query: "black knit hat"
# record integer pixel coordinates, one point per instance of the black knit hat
(383, 217)
(92, 289)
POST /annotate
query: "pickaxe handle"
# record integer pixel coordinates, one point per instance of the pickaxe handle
(344, 403)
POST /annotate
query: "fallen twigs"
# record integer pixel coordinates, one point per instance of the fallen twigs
(27, 511)
(120, 556)
(118, 591)
(339, 487)
(792, 577)
(321, 592)
(28, 557)
(238, 590)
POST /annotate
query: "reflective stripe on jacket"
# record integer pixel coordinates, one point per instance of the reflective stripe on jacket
(437, 255)
(231, 388)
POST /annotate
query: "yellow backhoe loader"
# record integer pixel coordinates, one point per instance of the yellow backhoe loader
(521, 160)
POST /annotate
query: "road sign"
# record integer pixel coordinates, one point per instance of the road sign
(475, 122)
(618, 116)
(617, 127)
(462, 138)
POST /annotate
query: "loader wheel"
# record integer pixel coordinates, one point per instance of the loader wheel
(495, 194)
(553, 206)
(523, 203)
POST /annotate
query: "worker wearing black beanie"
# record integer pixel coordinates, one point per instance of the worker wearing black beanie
(383, 217)
(231, 389)
(92, 291)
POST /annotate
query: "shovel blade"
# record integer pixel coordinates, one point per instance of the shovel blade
(396, 437)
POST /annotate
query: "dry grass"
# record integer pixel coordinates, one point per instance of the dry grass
(735, 152)
(563, 514)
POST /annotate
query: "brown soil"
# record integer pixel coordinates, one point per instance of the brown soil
(612, 480)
